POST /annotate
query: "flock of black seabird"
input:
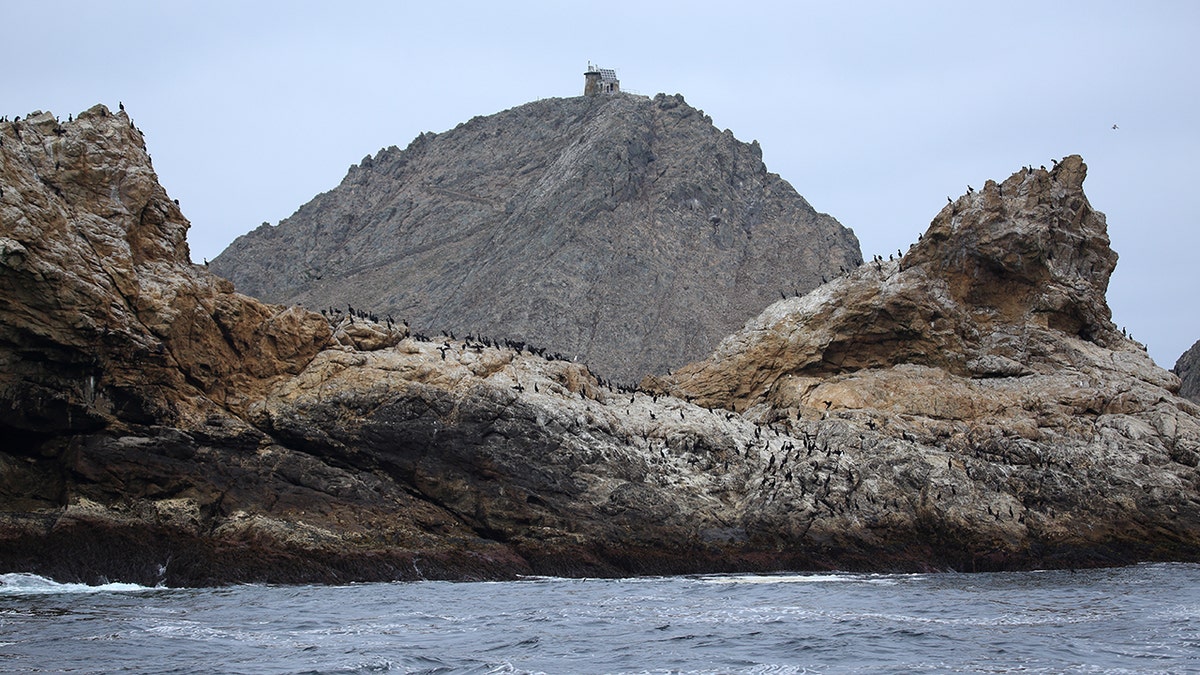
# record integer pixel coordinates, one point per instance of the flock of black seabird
(798, 458)
(876, 260)
(810, 467)
(1028, 170)
(475, 343)
(335, 315)
(58, 128)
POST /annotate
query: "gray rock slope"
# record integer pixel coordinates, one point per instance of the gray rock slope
(625, 232)
(1188, 370)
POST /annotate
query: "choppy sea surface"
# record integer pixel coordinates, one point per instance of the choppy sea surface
(1138, 619)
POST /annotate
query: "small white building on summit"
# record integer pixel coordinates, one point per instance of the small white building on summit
(599, 80)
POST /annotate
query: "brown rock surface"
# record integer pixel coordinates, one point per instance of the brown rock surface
(981, 370)
(1007, 281)
(105, 319)
(975, 410)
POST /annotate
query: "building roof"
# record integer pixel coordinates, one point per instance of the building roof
(606, 74)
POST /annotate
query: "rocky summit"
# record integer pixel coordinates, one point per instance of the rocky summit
(622, 231)
(968, 407)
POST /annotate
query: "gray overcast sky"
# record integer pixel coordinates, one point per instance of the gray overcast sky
(874, 111)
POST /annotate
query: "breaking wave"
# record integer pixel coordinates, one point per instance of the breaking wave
(23, 583)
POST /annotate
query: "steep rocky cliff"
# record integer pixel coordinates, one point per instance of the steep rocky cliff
(623, 231)
(1187, 368)
(968, 407)
(106, 322)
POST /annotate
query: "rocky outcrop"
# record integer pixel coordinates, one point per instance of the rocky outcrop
(980, 377)
(625, 232)
(969, 407)
(129, 374)
(1008, 281)
(1187, 368)
(106, 322)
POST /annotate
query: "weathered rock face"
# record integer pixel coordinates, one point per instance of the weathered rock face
(623, 231)
(105, 321)
(1187, 368)
(126, 374)
(973, 410)
(979, 372)
(994, 288)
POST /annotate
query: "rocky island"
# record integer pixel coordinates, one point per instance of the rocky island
(969, 406)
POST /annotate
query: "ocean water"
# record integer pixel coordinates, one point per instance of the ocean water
(1141, 619)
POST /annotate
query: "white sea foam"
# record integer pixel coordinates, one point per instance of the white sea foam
(22, 583)
(781, 578)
